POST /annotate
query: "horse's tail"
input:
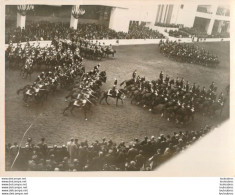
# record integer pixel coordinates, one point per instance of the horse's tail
(122, 83)
(18, 91)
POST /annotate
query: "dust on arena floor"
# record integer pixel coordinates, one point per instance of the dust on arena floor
(122, 123)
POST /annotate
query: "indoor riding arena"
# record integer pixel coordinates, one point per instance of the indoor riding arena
(148, 53)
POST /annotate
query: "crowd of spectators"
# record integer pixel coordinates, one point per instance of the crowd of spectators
(219, 35)
(203, 34)
(178, 34)
(105, 155)
(194, 31)
(139, 31)
(168, 25)
(48, 31)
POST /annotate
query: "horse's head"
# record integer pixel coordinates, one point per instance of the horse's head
(103, 73)
(123, 91)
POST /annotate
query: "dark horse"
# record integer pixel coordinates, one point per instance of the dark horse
(128, 83)
(118, 96)
(110, 52)
(85, 107)
(216, 106)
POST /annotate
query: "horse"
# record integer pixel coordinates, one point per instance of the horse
(127, 82)
(216, 106)
(85, 106)
(118, 96)
(183, 114)
(136, 96)
(109, 52)
(26, 69)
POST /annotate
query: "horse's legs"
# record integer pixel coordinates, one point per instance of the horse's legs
(71, 110)
(66, 108)
(221, 110)
(106, 99)
(132, 100)
(117, 101)
(101, 99)
(192, 116)
(84, 109)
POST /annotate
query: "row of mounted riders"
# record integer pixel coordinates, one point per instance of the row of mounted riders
(188, 53)
(58, 53)
(88, 48)
(85, 88)
(174, 99)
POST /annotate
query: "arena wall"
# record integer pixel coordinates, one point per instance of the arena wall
(133, 41)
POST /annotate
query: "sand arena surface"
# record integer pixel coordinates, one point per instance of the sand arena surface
(122, 123)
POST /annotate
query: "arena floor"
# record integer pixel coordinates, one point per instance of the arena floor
(122, 123)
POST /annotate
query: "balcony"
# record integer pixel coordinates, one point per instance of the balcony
(204, 9)
(223, 11)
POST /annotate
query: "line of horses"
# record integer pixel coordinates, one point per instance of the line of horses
(171, 100)
(47, 83)
(188, 53)
(33, 57)
(85, 92)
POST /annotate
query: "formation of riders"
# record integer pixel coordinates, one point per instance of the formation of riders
(85, 87)
(47, 82)
(114, 91)
(89, 45)
(176, 92)
(188, 53)
(58, 52)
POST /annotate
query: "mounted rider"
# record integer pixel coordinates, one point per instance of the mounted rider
(221, 98)
(110, 48)
(114, 91)
(134, 75)
(212, 86)
(161, 76)
(96, 68)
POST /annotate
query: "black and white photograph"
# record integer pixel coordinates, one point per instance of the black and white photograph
(113, 85)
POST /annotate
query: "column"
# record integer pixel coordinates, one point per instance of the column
(212, 21)
(228, 28)
(165, 16)
(221, 23)
(163, 13)
(158, 13)
(73, 23)
(20, 21)
(210, 26)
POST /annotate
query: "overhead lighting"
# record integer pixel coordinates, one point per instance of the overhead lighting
(23, 9)
(77, 12)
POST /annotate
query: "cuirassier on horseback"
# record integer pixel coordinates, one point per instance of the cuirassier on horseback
(118, 94)
(174, 99)
(85, 91)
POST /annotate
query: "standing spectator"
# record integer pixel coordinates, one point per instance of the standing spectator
(43, 148)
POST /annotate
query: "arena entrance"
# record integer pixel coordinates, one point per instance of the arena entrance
(201, 24)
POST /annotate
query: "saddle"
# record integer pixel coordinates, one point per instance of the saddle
(76, 103)
(28, 92)
(113, 93)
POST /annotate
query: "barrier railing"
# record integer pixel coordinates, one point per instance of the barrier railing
(134, 41)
